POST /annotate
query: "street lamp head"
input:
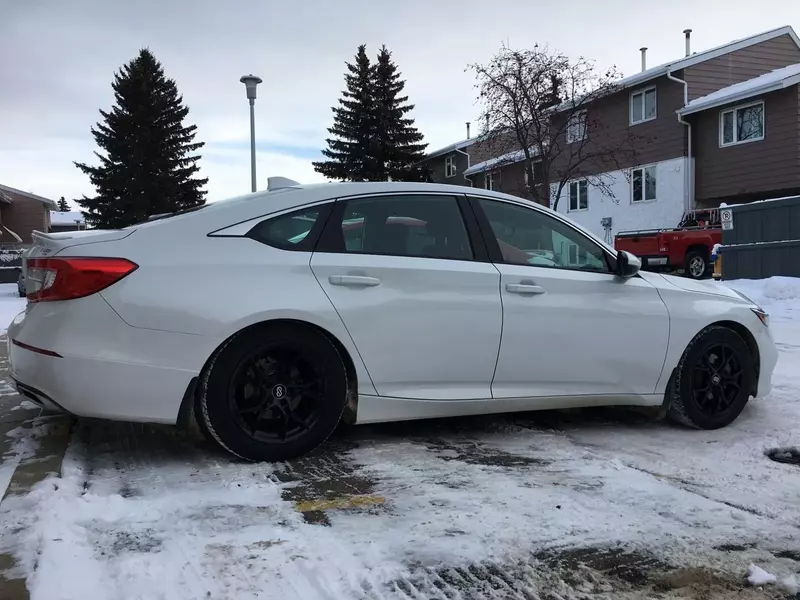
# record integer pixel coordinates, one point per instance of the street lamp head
(250, 82)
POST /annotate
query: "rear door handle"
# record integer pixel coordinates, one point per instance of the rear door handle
(354, 280)
(525, 288)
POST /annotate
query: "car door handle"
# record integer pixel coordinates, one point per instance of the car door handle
(354, 280)
(524, 288)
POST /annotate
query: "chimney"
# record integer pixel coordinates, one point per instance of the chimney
(467, 129)
(644, 58)
(688, 34)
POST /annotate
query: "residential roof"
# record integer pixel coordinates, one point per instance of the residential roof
(65, 217)
(503, 159)
(769, 82)
(452, 147)
(698, 57)
(46, 201)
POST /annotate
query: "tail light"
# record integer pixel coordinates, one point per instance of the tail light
(50, 279)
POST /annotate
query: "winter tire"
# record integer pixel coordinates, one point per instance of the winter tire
(696, 265)
(273, 392)
(713, 381)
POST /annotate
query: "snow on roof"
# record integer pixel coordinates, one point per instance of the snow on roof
(65, 218)
(503, 159)
(45, 201)
(452, 147)
(769, 82)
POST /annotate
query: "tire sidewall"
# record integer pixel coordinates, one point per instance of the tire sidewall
(694, 354)
(689, 258)
(214, 409)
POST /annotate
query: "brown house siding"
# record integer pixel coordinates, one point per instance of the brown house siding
(24, 215)
(436, 165)
(741, 65)
(755, 169)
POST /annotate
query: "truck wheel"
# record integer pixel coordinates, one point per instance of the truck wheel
(696, 264)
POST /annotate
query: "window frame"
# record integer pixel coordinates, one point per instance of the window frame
(493, 247)
(643, 93)
(252, 226)
(643, 169)
(489, 179)
(582, 123)
(450, 162)
(331, 240)
(577, 183)
(734, 110)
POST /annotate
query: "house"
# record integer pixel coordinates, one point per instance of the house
(721, 125)
(20, 214)
(66, 221)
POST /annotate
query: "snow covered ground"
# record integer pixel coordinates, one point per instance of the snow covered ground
(584, 504)
(10, 304)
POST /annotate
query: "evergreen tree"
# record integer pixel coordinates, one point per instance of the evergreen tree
(149, 165)
(62, 205)
(399, 142)
(349, 151)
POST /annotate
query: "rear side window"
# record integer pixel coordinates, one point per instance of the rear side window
(297, 230)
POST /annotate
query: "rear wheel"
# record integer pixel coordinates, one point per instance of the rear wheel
(713, 381)
(273, 393)
(696, 264)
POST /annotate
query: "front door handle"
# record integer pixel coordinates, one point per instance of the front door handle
(525, 288)
(354, 280)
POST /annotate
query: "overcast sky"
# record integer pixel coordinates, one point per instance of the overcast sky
(57, 59)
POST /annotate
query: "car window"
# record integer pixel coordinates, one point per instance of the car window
(418, 226)
(291, 230)
(531, 237)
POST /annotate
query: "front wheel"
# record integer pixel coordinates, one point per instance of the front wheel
(713, 381)
(696, 265)
(273, 392)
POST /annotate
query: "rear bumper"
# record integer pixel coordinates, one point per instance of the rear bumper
(103, 368)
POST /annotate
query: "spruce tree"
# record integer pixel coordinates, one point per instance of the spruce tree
(399, 142)
(62, 205)
(350, 150)
(149, 161)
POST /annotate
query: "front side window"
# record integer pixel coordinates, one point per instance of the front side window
(576, 127)
(741, 124)
(527, 236)
(289, 231)
(450, 166)
(578, 195)
(643, 184)
(643, 105)
(413, 226)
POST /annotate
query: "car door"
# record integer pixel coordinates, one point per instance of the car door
(570, 326)
(416, 292)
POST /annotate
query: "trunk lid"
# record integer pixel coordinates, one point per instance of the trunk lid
(50, 244)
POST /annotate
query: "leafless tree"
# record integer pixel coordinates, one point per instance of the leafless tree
(547, 109)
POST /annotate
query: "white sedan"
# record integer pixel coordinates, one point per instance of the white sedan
(268, 318)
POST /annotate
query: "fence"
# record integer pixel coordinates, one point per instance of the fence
(764, 240)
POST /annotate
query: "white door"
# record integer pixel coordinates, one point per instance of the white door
(424, 314)
(570, 326)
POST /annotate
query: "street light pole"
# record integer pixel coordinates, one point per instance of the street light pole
(250, 82)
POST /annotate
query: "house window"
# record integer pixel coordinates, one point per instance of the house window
(537, 174)
(576, 127)
(741, 124)
(578, 195)
(643, 181)
(643, 105)
(489, 182)
(450, 166)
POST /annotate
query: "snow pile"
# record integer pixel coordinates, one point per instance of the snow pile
(10, 304)
(789, 585)
(758, 576)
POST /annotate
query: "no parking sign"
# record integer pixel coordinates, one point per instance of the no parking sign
(726, 217)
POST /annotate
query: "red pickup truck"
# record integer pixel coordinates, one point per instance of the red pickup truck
(686, 247)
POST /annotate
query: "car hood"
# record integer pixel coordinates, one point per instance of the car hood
(711, 287)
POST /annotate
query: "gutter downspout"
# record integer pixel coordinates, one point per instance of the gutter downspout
(467, 179)
(689, 178)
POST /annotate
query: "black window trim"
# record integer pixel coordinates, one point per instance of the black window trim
(310, 241)
(330, 240)
(493, 248)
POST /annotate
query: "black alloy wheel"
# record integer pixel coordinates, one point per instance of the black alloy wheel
(713, 381)
(273, 392)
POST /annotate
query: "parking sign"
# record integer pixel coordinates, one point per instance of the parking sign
(726, 216)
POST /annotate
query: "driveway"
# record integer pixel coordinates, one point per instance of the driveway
(584, 504)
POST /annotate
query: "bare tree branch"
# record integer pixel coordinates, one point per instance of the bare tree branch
(545, 105)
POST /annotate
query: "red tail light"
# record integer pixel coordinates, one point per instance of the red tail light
(50, 279)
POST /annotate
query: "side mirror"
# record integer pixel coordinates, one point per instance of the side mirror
(628, 264)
